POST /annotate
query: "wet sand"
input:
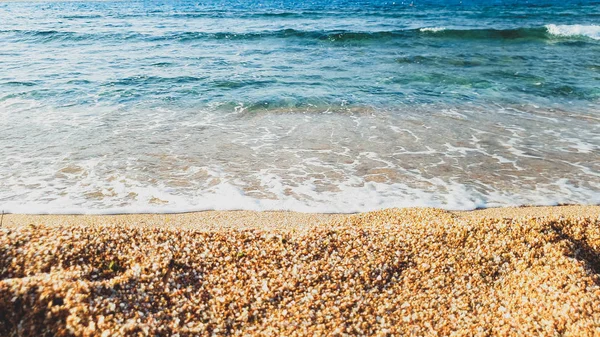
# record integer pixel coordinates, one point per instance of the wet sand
(271, 220)
(507, 271)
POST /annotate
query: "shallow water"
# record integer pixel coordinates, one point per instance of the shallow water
(333, 107)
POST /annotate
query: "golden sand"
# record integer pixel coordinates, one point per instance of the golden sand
(521, 271)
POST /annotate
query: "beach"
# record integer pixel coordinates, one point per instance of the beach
(414, 271)
(299, 168)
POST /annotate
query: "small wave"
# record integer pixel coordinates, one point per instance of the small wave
(241, 84)
(281, 14)
(20, 83)
(547, 32)
(333, 35)
(162, 64)
(42, 34)
(432, 29)
(486, 33)
(591, 31)
(56, 35)
(349, 199)
(533, 33)
(146, 80)
(363, 36)
(82, 16)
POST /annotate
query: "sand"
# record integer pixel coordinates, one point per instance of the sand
(508, 271)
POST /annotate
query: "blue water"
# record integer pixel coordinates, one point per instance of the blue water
(335, 106)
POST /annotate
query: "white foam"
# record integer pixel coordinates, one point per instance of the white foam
(329, 163)
(432, 29)
(353, 195)
(581, 146)
(591, 31)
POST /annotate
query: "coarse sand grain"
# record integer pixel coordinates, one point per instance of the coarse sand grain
(394, 272)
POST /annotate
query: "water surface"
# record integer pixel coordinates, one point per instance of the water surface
(324, 106)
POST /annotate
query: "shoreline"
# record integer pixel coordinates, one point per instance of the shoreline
(276, 220)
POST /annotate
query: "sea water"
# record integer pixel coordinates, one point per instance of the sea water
(325, 106)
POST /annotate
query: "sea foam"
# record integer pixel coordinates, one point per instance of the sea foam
(591, 31)
(432, 29)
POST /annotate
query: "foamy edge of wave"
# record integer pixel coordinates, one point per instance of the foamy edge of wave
(432, 29)
(370, 197)
(591, 31)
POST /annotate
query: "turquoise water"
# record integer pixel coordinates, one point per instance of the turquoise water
(328, 106)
